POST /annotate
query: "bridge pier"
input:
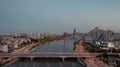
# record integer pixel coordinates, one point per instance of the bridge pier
(31, 58)
(0, 59)
(63, 58)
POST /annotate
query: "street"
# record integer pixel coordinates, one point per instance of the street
(90, 61)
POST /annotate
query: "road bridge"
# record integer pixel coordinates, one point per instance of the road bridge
(52, 54)
(49, 55)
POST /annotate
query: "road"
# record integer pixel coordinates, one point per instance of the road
(25, 49)
(90, 61)
(50, 54)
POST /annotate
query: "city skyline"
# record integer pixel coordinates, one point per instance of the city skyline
(58, 16)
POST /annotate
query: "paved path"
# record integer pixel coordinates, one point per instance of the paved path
(24, 49)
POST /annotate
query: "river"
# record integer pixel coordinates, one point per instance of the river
(56, 46)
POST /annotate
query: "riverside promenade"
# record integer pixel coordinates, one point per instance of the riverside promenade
(89, 61)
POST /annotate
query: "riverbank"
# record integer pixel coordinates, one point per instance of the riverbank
(81, 61)
(25, 49)
(11, 62)
(33, 48)
(75, 48)
(90, 62)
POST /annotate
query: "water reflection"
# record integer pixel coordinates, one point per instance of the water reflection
(47, 63)
(56, 46)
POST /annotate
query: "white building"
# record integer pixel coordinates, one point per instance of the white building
(108, 46)
(5, 48)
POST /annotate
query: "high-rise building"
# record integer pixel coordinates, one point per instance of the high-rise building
(74, 31)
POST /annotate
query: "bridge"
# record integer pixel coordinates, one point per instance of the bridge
(51, 55)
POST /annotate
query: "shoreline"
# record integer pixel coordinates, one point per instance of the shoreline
(82, 62)
(79, 60)
(33, 48)
(90, 62)
(10, 62)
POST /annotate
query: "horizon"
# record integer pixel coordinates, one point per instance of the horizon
(25, 16)
(57, 33)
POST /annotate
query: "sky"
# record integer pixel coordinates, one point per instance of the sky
(58, 16)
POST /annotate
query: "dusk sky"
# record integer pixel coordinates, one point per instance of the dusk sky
(58, 16)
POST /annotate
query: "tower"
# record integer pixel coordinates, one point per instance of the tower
(74, 31)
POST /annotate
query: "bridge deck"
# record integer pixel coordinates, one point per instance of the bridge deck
(51, 54)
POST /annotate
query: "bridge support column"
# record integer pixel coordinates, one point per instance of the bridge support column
(31, 58)
(63, 58)
(78, 58)
(0, 59)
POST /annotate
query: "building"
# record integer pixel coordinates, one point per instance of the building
(106, 35)
(15, 45)
(95, 33)
(116, 36)
(74, 31)
(5, 48)
(88, 39)
(107, 46)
